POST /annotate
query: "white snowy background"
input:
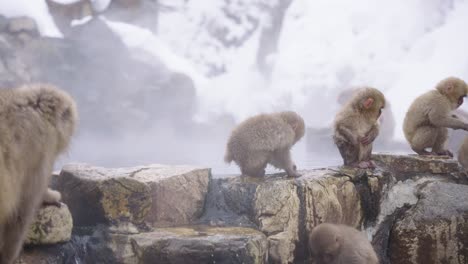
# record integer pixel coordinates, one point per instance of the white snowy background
(402, 47)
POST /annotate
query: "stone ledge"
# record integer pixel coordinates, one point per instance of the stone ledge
(436, 228)
(201, 245)
(417, 164)
(138, 196)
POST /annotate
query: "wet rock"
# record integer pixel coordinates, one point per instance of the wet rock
(403, 165)
(272, 203)
(184, 245)
(330, 197)
(435, 230)
(276, 208)
(201, 245)
(132, 198)
(52, 225)
(380, 239)
(287, 209)
(90, 246)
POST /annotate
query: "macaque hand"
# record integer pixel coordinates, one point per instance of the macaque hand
(366, 140)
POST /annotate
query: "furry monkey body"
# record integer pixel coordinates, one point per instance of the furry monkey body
(356, 127)
(426, 122)
(463, 154)
(340, 244)
(263, 139)
(37, 122)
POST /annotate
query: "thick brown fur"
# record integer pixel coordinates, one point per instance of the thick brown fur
(426, 122)
(356, 127)
(386, 120)
(340, 244)
(265, 139)
(52, 197)
(463, 154)
(36, 125)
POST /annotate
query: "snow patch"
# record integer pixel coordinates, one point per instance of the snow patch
(36, 9)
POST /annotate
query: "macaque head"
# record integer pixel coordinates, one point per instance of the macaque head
(295, 121)
(369, 101)
(454, 89)
(325, 243)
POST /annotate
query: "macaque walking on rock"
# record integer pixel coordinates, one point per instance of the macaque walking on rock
(265, 139)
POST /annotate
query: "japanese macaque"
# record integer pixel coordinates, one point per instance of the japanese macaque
(429, 116)
(340, 244)
(37, 122)
(356, 127)
(463, 154)
(52, 197)
(265, 139)
(387, 122)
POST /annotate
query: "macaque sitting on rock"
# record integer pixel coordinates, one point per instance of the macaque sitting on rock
(356, 127)
(429, 116)
(265, 139)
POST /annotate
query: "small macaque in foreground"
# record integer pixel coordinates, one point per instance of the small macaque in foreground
(463, 154)
(265, 139)
(36, 125)
(340, 244)
(356, 127)
(429, 116)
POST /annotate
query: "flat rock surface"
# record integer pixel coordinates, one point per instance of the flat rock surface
(201, 245)
(417, 163)
(435, 230)
(154, 195)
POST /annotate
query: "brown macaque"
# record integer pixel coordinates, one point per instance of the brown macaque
(426, 122)
(52, 197)
(463, 154)
(340, 244)
(386, 120)
(265, 139)
(37, 122)
(356, 127)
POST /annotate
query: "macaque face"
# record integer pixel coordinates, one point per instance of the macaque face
(326, 258)
(326, 249)
(380, 112)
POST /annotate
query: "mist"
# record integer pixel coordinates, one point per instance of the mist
(166, 81)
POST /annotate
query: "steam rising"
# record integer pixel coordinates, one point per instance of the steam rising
(323, 47)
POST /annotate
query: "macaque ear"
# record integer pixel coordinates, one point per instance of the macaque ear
(368, 102)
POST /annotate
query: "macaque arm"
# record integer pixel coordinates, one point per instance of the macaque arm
(371, 135)
(449, 121)
(347, 134)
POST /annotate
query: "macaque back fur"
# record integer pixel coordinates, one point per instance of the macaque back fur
(340, 244)
(265, 138)
(463, 154)
(36, 125)
(427, 119)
